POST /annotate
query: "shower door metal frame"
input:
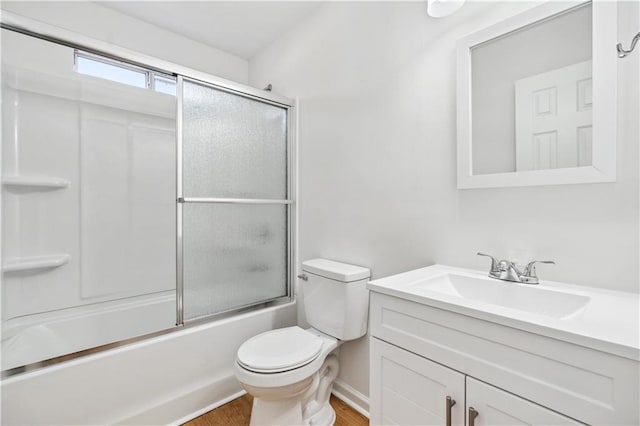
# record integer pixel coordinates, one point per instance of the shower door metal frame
(33, 28)
(182, 200)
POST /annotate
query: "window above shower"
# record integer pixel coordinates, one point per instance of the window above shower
(122, 72)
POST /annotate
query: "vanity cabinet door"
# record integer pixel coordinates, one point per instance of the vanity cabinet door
(407, 389)
(495, 407)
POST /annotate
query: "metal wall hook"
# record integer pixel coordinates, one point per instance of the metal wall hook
(622, 52)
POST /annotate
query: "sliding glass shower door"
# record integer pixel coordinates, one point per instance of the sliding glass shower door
(105, 164)
(234, 201)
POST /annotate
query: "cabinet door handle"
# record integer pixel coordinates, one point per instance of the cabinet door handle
(472, 416)
(450, 402)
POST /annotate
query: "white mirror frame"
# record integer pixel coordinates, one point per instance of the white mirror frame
(605, 63)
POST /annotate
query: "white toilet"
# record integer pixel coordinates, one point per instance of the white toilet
(290, 371)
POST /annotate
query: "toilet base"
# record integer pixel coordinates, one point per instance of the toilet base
(289, 413)
(284, 412)
(325, 417)
(303, 403)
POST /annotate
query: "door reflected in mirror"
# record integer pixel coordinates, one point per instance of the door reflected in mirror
(531, 96)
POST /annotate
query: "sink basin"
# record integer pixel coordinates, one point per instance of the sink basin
(593, 317)
(522, 297)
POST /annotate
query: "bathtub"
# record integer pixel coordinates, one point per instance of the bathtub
(34, 338)
(167, 379)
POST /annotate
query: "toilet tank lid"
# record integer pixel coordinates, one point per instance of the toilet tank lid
(335, 270)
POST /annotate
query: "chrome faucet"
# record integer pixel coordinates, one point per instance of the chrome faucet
(508, 271)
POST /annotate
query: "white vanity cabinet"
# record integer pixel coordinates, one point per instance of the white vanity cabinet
(495, 407)
(407, 389)
(421, 354)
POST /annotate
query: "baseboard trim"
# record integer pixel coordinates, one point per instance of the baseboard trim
(209, 408)
(351, 397)
(181, 407)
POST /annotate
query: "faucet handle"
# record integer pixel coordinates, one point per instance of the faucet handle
(494, 261)
(529, 274)
(495, 265)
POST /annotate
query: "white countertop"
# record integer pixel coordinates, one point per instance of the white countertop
(609, 322)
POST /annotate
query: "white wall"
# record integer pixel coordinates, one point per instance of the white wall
(105, 24)
(376, 83)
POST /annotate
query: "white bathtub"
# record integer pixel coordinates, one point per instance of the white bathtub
(167, 379)
(34, 338)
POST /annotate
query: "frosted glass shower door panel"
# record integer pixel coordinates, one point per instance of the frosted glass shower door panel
(112, 146)
(88, 206)
(235, 255)
(233, 146)
(235, 208)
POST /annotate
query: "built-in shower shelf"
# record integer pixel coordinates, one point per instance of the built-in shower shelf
(35, 262)
(35, 182)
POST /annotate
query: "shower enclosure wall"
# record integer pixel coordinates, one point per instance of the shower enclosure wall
(134, 199)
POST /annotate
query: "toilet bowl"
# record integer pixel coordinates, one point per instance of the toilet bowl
(290, 371)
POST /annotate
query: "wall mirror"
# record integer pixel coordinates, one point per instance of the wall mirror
(535, 103)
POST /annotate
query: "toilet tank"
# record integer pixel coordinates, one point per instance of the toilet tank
(336, 298)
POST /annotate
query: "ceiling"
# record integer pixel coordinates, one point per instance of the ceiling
(241, 28)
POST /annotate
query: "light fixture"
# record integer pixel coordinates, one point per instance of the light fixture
(442, 8)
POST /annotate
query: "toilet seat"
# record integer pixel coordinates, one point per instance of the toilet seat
(279, 350)
(290, 376)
